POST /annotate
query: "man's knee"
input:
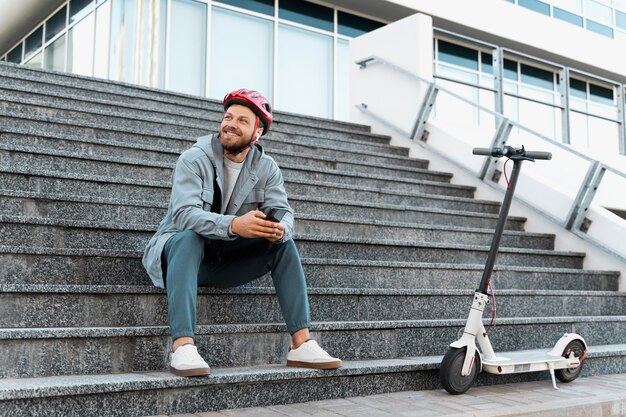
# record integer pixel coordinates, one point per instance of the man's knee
(186, 241)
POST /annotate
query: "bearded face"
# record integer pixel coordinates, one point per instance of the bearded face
(237, 127)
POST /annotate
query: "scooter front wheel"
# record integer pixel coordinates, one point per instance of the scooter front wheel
(569, 374)
(450, 371)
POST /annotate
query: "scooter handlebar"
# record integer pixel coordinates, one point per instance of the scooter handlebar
(510, 151)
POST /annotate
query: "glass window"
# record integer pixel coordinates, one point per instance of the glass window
(56, 23)
(33, 42)
(259, 6)
(620, 19)
(122, 44)
(187, 60)
(342, 112)
(598, 28)
(103, 33)
(536, 5)
(351, 25)
(601, 94)
(150, 40)
(54, 56)
(35, 61)
(258, 35)
(304, 60)
(80, 47)
(310, 14)
(598, 12)
(510, 69)
(577, 88)
(537, 77)
(15, 55)
(620, 4)
(486, 63)
(568, 17)
(458, 55)
(79, 9)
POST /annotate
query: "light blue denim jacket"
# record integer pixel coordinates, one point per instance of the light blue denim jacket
(259, 186)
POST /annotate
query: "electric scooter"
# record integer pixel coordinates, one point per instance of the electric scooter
(462, 362)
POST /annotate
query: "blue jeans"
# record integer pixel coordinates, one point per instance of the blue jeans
(243, 260)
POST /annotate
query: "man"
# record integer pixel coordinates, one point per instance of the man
(216, 233)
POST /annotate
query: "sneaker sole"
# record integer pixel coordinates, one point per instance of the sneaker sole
(315, 365)
(191, 372)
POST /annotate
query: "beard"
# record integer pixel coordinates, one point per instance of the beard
(232, 143)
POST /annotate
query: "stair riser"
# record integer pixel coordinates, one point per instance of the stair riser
(50, 236)
(27, 310)
(290, 172)
(76, 270)
(151, 123)
(329, 228)
(48, 357)
(401, 216)
(297, 188)
(332, 250)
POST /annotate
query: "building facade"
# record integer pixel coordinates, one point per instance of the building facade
(291, 49)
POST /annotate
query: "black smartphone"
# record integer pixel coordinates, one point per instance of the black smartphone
(275, 214)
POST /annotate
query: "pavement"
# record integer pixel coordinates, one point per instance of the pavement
(603, 395)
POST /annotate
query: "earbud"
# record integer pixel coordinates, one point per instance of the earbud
(258, 135)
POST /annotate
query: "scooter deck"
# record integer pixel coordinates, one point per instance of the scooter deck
(520, 357)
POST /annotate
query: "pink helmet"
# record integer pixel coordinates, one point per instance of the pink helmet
(255, 102)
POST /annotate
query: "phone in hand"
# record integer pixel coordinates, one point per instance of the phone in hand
(275, 214)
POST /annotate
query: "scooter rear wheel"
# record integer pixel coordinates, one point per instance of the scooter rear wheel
(450, 371)
(569, 374)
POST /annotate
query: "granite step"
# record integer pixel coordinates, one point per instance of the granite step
(26, 103)
(81, 161)
(145, 148)
(53, 351)
(28, 231)
(39, 306)
(123, 94)
(161, 393)
(38, 265)
(134, 190)
(98, 209)
(394, 250)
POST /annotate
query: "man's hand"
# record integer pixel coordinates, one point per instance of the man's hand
(253, 224)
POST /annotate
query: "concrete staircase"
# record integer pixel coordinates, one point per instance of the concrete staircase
(392, 253)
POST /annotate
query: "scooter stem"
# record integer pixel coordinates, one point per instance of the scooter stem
(504, 212)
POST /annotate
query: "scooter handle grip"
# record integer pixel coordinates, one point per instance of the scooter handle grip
(538, 155)
(487, 151)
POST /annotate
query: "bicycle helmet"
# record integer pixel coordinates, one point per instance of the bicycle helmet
(255, 102)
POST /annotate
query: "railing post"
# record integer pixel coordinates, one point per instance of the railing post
(498, 73)
(622, 119)
(585, 196)
(564, 87)
(499, 140)
(424, 113)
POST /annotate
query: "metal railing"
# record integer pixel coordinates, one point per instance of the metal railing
(575, 220)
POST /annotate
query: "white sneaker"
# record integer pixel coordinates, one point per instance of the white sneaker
(311, 355)
(186, 361)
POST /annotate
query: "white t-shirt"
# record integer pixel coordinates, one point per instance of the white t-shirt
(231, 173)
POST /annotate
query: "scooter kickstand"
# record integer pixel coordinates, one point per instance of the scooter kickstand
(551, 369)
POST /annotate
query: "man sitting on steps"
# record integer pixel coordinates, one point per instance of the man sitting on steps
(217, 233)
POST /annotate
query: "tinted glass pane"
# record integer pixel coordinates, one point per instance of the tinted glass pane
(80, 47)
(79, 8)
(351, 25)
(33, 42)
(259, 6)
(568, 17)
(510, 69)
(577, 88)
(15, 55)
(35, 61)
(620, 19)
(54, 56)
(598, 12)
(486, 62)
(310, 14)
(536, 5)
(56, 23)
(458, 55)
(598, 28)
(600, 94)
(537, 77)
